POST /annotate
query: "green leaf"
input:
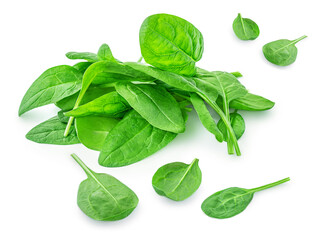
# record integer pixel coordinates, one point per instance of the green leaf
(232, 201)
(103, 197)
(281, 52)
(62, 118)
(90, 57)
(171, 43)
(82, 66)
(51, 132)
(105, 54)
(205, 116)
(53, 85)
(177, 180)
(108, 105)
(92, 130)
(237, 123)
(245, 28)
(251, 102)
(155, 104)
(132, 140)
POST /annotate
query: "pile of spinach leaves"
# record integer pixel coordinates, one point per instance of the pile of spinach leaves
(130, 110)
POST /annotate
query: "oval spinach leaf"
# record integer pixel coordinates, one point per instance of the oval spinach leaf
(103, 197)
(88, 56)
(132, 140)
(245, 28)
(281, 52)
(177, 180)
(171, 43)
(53, 85)
(51, 132)
(108, 105)
(92, 130)
(237, 123)
(251, 102)
(155, 104)
(232, 201)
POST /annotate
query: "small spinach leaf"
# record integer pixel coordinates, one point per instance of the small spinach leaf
(205, 116)
(51, 132)
(232, 201)
(90, 57)
(155, 104)
(282, 52)
(103, 197)
(171, 43)
(132, 140)
(237, 123)
(105, 54)
(177, 180)
(251, 102)
(108, 105)
(92, 130)
(245, 28)
(53, 85)
(82, 66)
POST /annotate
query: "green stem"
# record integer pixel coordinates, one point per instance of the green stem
(229, 142)
(270, 185)
(140, 60)
(80, 162)
(226, 122)
(299, 39)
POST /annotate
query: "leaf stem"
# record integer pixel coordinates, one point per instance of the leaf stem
(140, 60)
(270, 185)
(299, 39)
(80, 162)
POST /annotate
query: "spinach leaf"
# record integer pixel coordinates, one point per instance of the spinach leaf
(92, 130)
(245, 28)
(232, 201)
(103, 197)
(88, 56)
(205, 116)
(171, 43)
(105, 54)
(237, 123)
(251, 102)
(53, 85)
(93, 92)
(62, 118)
(108, 105)
(155, 104)
(282, 52)
(82, 66)
(132, 140)
(51, 132)
(177, 180)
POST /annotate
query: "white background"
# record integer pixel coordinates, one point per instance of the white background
(38, 183)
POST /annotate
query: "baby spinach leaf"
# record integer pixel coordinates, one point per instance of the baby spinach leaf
(82, 66)
(177, 180)
(51, 132)
(132, 140)
(105, 54)
(171, 43)
(282, 52)
(62, 118)
(90, 57)
(93, 92)
(245, 28)
(92, 130)
(155, 104)
(237, 123)
(232, 201)
(205, 116)
(251, 102)
(53, 85)
(103, 197)
(108, 105)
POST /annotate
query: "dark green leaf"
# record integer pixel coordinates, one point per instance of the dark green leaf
(53, 85)
(177, 180)
(281, 52)
(51, 132)
(82, 66)
(103, 197)
(155, 104)
(171, 43)
(245, 28)
(251, 102)
(132, 140)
